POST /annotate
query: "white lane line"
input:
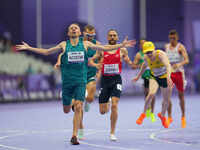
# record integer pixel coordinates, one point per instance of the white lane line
(108, 147)
(153, 137)
(10, 136)
(12, 147)
(36, 131)
(9, 131)
(103, 146)
(115, 147)
(48, 131)
(144, 130)
(21, 133)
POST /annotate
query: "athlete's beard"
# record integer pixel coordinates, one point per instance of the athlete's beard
(112, 42)
(174, 43)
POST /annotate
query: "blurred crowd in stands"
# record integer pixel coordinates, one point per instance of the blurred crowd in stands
(32, 85)
(25, 77)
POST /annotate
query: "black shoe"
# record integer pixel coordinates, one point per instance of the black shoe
(73, 108)
(74, 141)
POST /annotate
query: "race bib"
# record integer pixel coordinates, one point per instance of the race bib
(111, 68)
(159, 71)
(75, 57)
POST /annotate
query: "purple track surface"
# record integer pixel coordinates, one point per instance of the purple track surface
(43, 126)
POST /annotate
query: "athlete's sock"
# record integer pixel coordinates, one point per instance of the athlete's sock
(170, 120)
(148, 112)
(87, 105)
(152, 116)
(183, 122)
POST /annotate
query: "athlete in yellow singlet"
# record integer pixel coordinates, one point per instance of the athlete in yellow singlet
(146, 76)
(158, 63)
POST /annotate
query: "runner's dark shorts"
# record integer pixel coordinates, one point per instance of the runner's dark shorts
(146, 83)
(111, 86)
(162, 82)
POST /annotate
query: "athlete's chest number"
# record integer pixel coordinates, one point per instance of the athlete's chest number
(111, 68)
(75, 57)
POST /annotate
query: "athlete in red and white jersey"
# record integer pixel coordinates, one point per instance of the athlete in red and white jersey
(111, 82)
(112, 64)
(178, 57)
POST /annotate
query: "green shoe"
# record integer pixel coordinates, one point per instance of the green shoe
(152, 116)
(80, 134)
(148, 113)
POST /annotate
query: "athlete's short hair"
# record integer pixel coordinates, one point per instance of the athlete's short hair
(173, 32)
(89, 27)
(112, 30)
(75, 24)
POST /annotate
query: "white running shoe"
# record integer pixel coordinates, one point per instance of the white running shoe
(113, 137)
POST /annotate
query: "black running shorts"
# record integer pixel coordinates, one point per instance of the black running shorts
(111, 86)
(146, 83)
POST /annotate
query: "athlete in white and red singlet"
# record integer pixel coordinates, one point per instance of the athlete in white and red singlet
(178, 57)
(111, 82)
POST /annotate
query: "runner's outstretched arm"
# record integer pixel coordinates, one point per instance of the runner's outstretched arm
(25, 46)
